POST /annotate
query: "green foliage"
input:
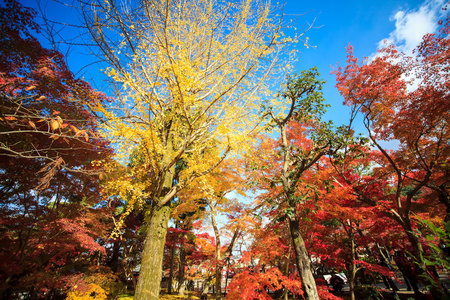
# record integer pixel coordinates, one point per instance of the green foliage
(436, 236)
(367, 292)
(308, 87)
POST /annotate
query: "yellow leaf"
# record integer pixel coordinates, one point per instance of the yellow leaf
(54, 125)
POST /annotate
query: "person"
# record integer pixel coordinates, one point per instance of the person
(336, 282)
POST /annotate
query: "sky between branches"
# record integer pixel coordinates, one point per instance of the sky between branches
(363, 24)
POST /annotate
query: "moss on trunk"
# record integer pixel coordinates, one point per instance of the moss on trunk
(150, 275)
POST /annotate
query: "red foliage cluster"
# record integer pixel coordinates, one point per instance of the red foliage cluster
(250, 284)
(51, 220)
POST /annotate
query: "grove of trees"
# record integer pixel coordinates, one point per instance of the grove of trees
(207, 164)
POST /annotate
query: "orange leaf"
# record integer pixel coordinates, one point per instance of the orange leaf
(80, 132)
(74, 129)
(31, 123)
(40, 98)
(29, 88)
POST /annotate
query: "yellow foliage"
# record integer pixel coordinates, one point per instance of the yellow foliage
(94, 292)
(125, 298)
(176, 297)
(164, 297)
(191, 84)
(97, 283)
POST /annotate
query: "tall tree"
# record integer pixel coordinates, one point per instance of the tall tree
(305, 108)
(417, 115)
(189, 74)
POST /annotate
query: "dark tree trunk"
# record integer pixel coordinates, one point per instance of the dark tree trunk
(219, 268)
(114, 262)
(352, 268)
(181, 273)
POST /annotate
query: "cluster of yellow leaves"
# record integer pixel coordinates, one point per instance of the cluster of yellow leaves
(175, 297)
(94, 292)
(130, 184)
(125, 297)
(97, 283)
(199, 68)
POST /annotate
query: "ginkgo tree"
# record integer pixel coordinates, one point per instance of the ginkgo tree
(189, 75)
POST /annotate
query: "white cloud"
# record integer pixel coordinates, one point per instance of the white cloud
(412, 25)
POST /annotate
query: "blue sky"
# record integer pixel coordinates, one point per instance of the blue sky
(363, 24)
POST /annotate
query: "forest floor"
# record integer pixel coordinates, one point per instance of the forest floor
(387, 294)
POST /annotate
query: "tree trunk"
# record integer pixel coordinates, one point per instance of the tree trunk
(181, 273)
(172, 261)
(114, 262)
(352, 268)
(219, 268)
(150, 275)
(303, 263)
(206, 285)
(285, 295)
(182, 287)
(226, 276)
(218, 255)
